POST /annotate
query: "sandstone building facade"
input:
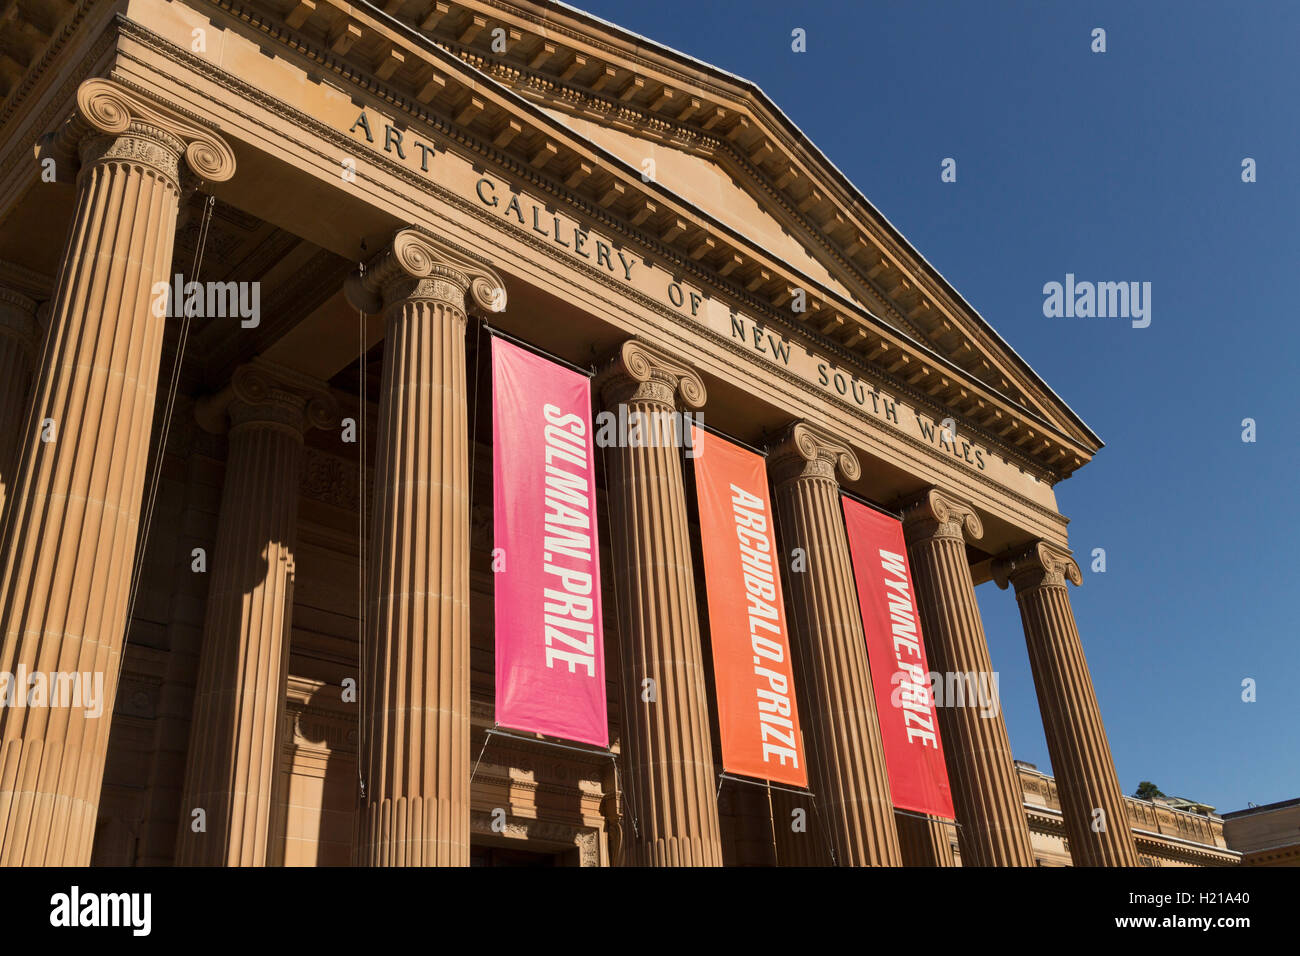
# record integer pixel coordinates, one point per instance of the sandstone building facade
(300, 656)
(1267, 835)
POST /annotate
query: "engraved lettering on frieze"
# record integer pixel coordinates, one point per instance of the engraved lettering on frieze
(542, 222)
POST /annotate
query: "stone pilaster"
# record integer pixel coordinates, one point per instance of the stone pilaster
(1076, 738)
(985, 790)
(668, 742)
(19, 336)
(71, 525)
(415, 665)
(924, 840)
(847, 755)
(240, 691)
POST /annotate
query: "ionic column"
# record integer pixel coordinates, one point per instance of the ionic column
(668, 741)
(70, 531)
(415, 664)
(1076, 738)
(19, 336)
(846, 754)
(240, 691)
(985, 790)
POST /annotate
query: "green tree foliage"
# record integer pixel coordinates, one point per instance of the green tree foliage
(1148, 791)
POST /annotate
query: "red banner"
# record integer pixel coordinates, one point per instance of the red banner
(757, 713)
(900, 677)
(550, 659)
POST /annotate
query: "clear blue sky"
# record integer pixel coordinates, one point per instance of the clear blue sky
(1122, 166)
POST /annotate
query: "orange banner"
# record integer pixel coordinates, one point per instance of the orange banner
(757, 713)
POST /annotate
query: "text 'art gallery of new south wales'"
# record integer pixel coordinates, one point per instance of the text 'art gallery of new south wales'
(440, 433)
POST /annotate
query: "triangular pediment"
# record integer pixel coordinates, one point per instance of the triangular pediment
(720, 144)
(738, 190)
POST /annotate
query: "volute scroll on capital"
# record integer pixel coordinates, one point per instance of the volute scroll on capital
(936, 513)
(1041, 564)
(806, 451)
(639, 371)
(165, 134)
(420, 265)
(264, 393)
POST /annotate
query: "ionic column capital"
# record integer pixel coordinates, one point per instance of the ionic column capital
(112, 122)
(805, 451)
(266, 394)
(936, 513)
(419, 265)
(641, 372)
(1037, 566)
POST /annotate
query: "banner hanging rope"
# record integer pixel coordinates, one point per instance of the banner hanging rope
(169, 406)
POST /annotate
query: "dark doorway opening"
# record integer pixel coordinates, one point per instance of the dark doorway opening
(508, 856)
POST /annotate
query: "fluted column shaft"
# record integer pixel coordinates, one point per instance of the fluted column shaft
(416, 810)
(240, 691)
(985, 789)
(1076, 737)
(18, 344)
(70, 533)
(847, 757)
(667, 740)
(415, 665)
(924, 841)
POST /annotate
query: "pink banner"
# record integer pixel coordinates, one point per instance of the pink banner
(550, 660)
